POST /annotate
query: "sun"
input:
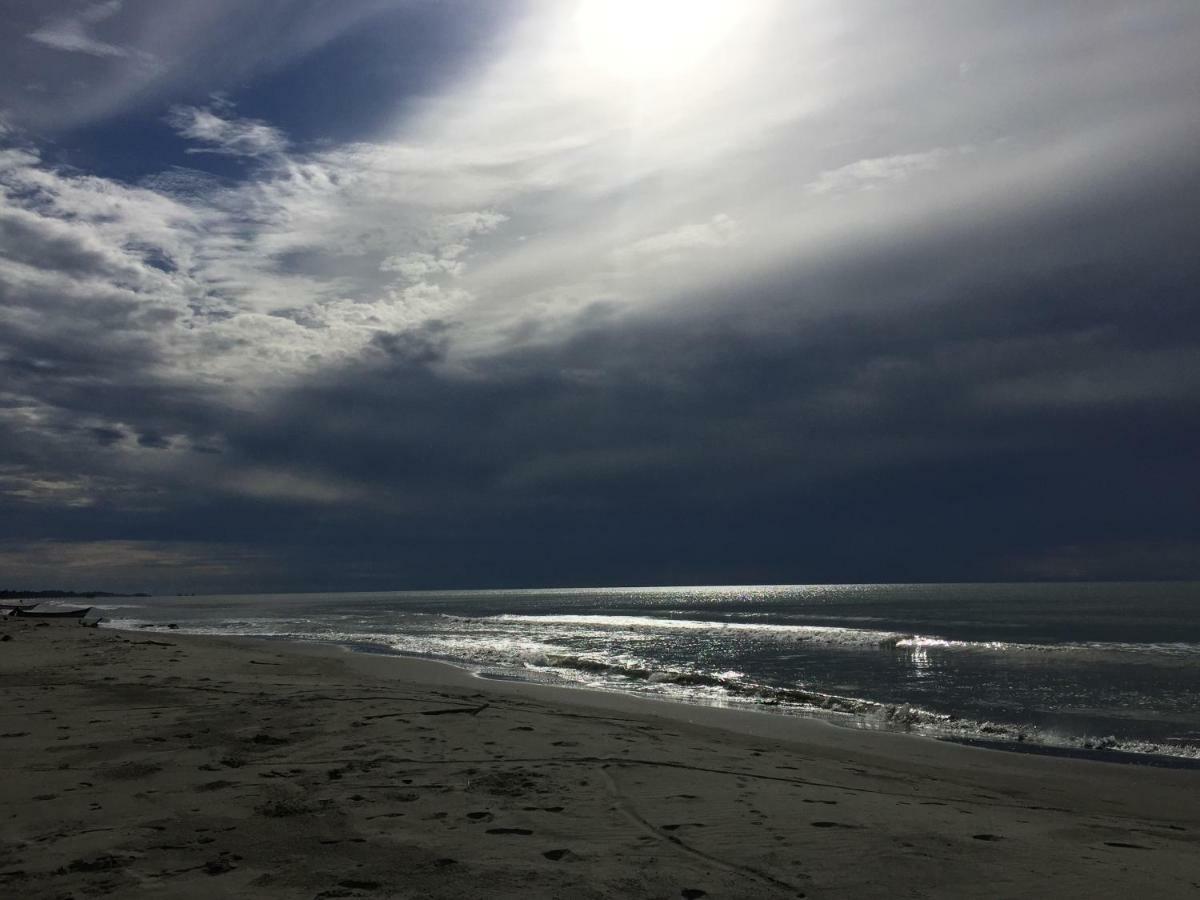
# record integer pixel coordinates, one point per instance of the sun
(652, 40)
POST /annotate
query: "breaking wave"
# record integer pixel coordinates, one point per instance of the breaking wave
(863, 713)
(842, 637)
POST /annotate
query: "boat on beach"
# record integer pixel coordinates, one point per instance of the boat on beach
(7, 607)
(24, 612)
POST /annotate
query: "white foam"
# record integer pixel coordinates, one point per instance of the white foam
(832, 635)
(827, 634)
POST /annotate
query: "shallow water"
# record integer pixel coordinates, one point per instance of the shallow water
(1068, 665)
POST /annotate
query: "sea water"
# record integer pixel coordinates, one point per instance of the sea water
(1109, 669)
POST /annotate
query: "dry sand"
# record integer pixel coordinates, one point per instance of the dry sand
(153, 764)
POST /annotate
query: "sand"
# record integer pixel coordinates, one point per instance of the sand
(153, 764)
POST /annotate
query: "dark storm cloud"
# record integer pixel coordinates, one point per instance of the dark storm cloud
(939, 440)
(1051, 407)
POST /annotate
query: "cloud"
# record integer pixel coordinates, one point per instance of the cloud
(447, 242)
(227, 280)
(275, 484)
(70, 34)
(831, 288)
(227, 136)
(870, 174)
(125, 565)
(680, 243)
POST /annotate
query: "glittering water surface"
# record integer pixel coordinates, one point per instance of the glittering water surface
(1076, 665)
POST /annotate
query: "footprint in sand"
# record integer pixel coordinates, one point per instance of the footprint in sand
(692, 893)
(99, 864)
(986, 837)
(1125, 846)
(220, 865)
(831, 825)
(521, 831)
(557, 855)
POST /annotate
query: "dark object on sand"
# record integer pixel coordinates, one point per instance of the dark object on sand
(11, 606)
(56, 614)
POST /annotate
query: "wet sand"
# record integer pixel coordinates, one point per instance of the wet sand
(149, 763)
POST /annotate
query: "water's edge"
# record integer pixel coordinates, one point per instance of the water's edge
(838, 718)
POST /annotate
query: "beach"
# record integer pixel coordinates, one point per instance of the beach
(151, 763)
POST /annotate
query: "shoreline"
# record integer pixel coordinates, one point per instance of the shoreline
(665, 706)
(855, 722)
(217, 766)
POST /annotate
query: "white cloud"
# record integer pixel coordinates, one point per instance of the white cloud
(680, 244)
(869, 174)
(524, 193)
(71, 34)
(419, 266)
(228, 136)
(535, 186)
(266, 280)
(448, 239)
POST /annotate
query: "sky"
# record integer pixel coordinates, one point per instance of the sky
(387, 294)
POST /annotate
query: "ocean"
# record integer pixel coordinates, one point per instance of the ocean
(1104, 669)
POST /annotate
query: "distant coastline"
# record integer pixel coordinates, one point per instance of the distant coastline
(61, 595)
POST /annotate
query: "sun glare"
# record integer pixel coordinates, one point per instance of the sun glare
(648, 40)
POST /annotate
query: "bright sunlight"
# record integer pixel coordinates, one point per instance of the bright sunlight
(651, 40)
